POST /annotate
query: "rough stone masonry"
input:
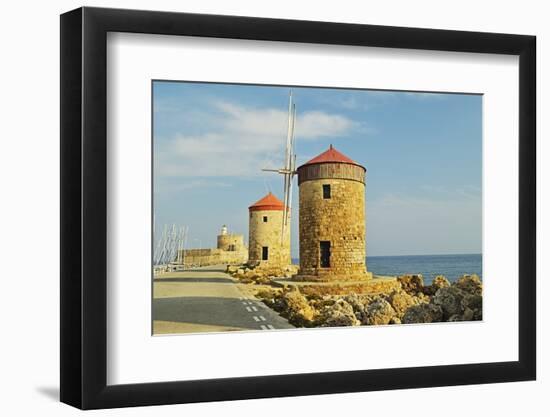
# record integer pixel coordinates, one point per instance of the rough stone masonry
(267, 248)
(332, 219)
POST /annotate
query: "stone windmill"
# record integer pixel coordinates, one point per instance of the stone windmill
(332, 212)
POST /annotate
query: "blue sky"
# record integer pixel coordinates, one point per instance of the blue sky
(422, 152)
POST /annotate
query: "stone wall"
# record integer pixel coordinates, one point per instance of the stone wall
(230, 242)
(268, 234)
(341, 221)
(206, 257)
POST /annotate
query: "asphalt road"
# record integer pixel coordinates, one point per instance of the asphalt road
(208, 300)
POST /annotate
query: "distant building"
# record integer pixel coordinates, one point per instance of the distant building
(332, 218)
(267, 246)
(230, 242)
(224, 230)
(230, 250)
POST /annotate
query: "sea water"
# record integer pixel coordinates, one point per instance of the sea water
(451, 266)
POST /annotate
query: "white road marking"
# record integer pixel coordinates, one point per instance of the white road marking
(263, 327)
(270, 327)
(262, 318)
(245, 303)
(254, 308)
(248, 309)
(256, 318)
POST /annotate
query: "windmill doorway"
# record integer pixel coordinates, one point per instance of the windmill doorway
(265, 253)
(324, 253)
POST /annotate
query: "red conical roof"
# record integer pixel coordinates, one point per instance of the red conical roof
(269, 202)
(331, 155)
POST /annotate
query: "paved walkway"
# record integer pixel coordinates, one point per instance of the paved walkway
(207, 300)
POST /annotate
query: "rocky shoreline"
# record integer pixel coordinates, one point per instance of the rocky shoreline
(408, 302)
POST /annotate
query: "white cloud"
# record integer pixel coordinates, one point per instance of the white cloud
(316, 124)
(167, 187)
(241, 141)
(262, 122)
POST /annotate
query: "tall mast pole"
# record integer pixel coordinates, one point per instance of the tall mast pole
(288, 170)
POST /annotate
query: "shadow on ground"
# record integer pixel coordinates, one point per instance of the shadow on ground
(199, 280)
(214, 311)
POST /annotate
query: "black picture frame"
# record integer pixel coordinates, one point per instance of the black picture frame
(84, 207)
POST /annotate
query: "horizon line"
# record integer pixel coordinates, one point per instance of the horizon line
(423, 254)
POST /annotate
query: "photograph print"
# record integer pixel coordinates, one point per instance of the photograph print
(290, 207)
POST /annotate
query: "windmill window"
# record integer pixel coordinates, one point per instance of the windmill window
(265, 219)
(265, 253)
(324, 253)
(326, 191)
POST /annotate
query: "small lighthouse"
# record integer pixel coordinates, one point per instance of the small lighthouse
(268, 240)
(332, 218)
